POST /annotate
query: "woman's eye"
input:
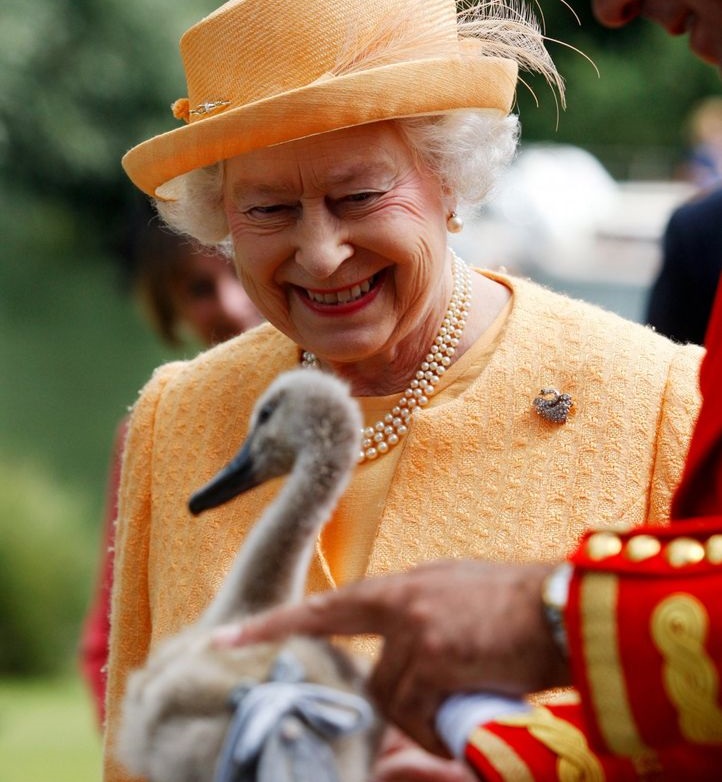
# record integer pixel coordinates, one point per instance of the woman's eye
(263, 211)
(201, 289)
(360, 198)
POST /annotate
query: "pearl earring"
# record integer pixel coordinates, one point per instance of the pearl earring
(454, 223)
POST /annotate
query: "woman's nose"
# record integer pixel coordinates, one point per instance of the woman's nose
(322, 242)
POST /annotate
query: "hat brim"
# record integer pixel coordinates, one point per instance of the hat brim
(407, 89)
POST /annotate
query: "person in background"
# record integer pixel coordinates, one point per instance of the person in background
(633, 617)
(680, 302)
(500, 418)
(187, 293)
(681, 297)
(703, 167)
(699, 20)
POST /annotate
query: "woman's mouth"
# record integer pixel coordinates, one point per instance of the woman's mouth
(343, 299)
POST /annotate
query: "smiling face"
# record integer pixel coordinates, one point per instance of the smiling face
(340, 240)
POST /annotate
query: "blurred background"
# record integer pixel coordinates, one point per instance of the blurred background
(81, 81)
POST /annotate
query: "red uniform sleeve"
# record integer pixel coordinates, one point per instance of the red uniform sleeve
(700, 490)
(549, 745)
(644, 627)
(645, 638)
(546, 744)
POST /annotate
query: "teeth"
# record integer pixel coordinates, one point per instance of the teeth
(341, 297)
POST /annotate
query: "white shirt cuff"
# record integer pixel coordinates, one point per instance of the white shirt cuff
(460, 714)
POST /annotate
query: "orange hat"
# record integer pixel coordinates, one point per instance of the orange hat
(263, 72)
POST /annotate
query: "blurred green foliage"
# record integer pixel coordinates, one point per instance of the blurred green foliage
(80, 82)
(73, 355)
(44, 563)
(74, 351)
(629, 92)
(47, 733)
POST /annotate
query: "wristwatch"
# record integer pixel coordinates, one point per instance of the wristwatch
(554, 595)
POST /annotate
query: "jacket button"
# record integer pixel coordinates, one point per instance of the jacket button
(684, 551)
(601, 545)
(642, 547)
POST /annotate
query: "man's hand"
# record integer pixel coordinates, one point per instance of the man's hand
(449, 626)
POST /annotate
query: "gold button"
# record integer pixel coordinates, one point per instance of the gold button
(714, 549)
(603, 544)
(642, 547)
(684, 551)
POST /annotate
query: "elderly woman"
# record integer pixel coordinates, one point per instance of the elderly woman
(330, 145)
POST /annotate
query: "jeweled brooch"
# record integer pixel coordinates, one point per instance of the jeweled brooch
(553, 406)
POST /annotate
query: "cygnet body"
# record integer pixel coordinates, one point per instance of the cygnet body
(176, 711)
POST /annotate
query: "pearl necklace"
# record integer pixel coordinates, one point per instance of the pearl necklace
(382, 436)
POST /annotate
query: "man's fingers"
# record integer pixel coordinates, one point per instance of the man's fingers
(343, 612)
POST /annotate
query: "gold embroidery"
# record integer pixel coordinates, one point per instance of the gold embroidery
(610, 700)
(501, 756)
(575, 761)
(647, 766)
(679, 628)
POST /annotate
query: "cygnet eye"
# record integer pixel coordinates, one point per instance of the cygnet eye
(265, 413)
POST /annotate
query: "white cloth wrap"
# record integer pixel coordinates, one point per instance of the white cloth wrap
(281, 729)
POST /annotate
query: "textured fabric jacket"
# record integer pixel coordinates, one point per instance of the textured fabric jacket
(479, 475)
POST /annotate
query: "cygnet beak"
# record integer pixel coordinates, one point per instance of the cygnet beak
(235, 478)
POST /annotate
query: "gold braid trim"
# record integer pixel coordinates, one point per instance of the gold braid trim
(575, 763)
(679, 628)
(501, 756)
(599, 595)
